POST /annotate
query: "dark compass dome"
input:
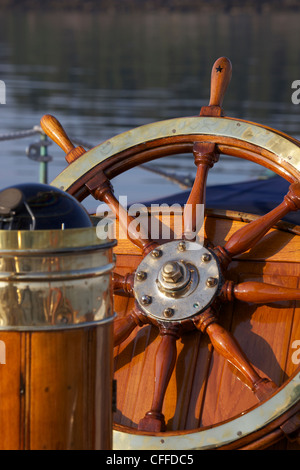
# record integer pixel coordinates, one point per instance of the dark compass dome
(37, 206)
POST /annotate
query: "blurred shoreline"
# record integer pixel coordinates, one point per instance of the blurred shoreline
(117, 6)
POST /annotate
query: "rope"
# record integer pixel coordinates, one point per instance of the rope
(33, 131)
(21, 134)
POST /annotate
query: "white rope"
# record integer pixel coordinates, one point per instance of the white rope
(21, 134)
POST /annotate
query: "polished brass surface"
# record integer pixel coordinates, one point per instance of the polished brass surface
(54, 279)
(285, 152)
(40, 240)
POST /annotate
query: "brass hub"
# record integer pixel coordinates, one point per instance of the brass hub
(184, 280)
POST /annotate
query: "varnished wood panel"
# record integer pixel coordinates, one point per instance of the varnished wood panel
(68, 408)
(56, 390)
(11, 392)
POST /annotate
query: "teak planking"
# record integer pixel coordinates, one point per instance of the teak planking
(54, 390)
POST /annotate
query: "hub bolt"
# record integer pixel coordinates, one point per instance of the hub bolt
(141, 275)
(181, 246)
(156, 253)
(206, 257)
(146, 299)
(211, 282)
(168, 312)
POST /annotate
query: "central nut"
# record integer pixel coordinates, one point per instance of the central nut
(171, 272)
(173, 278)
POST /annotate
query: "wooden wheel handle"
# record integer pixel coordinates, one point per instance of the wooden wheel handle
(53, 128)
(220, 79)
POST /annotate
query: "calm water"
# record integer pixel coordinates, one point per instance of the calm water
(102, 74)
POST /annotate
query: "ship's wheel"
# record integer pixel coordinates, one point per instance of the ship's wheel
(178, 289)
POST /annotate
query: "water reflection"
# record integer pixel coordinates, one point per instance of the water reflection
(102, 74)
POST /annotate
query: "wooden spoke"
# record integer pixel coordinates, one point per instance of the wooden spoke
(246, 237)
(226, 345)
(123, 283)
(258, 292)
(124, 326)
(165, 361)
(102, 190)
(206, 155)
